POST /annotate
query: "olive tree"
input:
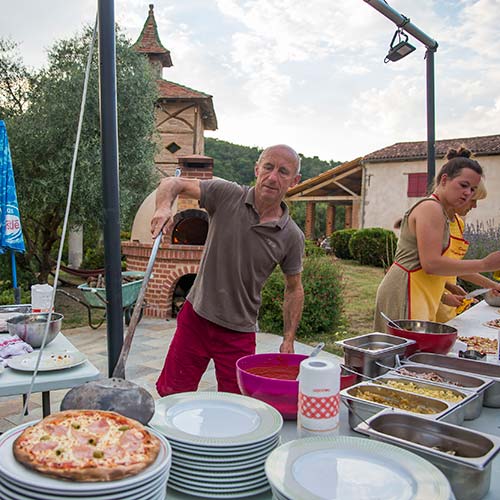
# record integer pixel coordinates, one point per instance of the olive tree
(42, 135)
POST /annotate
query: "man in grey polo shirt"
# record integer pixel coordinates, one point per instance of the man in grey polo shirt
(250, 233)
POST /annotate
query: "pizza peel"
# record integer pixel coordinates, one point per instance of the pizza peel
(116, 393)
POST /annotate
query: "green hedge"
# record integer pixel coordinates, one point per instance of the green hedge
(373, 246)
(323, 299)
(313, 250)
(339, 241)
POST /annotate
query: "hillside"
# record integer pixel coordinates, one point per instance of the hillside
(235, 162)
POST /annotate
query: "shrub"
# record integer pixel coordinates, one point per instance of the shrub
(7, 296)
(339, 241)
(373, 246)
(313, 250)
(323, 299)
(93, 258)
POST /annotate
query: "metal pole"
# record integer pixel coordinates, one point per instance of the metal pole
(110, 180)
(431, 120)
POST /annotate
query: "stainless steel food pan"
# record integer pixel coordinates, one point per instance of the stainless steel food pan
(466, 399)
(360, 409)
(469, 470)
(371, 353)
(487, 370)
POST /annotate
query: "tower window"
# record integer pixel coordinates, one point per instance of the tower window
(173, 147)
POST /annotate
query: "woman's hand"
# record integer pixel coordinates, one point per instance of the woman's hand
(452, 300)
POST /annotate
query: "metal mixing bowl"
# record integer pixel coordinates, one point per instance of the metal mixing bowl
(492, 300)
(31, 327)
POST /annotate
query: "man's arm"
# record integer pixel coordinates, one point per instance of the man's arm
(168, 190)
(292, 310)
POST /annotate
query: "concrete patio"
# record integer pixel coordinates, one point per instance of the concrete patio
(144, 364)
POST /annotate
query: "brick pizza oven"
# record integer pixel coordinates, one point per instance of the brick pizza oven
(178, 258)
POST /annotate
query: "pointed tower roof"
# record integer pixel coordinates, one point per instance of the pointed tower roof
(149, 42)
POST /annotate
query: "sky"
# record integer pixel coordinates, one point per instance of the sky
(308, 74)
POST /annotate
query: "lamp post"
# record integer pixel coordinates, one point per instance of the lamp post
(402, 49)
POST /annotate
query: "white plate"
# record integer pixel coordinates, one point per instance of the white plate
(14, 472)
(219, 488)
(215, 494)
(151, 490)
(220, 451)
(211, 476)
(215, 419)
(231, 482)
(347, 467)
(59, 360)
(220, 466)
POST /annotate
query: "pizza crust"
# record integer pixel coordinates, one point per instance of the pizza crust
(36, 447)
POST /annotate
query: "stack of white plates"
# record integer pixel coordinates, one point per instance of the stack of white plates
(344, 468)
(20, 483)
(220, 442)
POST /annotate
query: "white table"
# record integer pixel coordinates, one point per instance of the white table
(14, 382)
(468, 324)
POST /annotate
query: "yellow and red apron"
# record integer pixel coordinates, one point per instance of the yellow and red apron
(458, 249)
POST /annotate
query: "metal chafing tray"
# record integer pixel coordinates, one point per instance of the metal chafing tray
(360, 409)
(468, 471)
(370, 354)
(468, 402)
(486, 370)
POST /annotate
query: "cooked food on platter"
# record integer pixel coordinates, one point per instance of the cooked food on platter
(396, 401)
(87, 445)
(482, 344)
(494, 323)
(431, 392)
(430, 376)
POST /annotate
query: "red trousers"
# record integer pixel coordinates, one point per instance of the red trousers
(195, 343)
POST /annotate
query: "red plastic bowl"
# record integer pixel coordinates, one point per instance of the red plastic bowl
(429, 336)
(279, 393)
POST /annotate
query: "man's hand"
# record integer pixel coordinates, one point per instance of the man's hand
(162, 218)
(287, 347)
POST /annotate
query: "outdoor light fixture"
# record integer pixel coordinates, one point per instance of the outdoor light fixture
(401, 49)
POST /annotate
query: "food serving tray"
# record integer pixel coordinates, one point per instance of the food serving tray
(468, 470)
(486, 370)
(372, 353)
(360, 409)
(468, 400)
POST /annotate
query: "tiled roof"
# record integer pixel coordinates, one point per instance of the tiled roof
(174, 91)
(480, 146)
(149, 41)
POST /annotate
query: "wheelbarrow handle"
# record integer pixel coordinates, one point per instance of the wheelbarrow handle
(119, 370)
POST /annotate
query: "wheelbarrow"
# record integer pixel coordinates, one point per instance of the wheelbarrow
(95, 297)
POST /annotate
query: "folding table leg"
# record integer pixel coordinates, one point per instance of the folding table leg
(46, 403)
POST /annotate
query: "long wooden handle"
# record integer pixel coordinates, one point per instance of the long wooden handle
(119, 370)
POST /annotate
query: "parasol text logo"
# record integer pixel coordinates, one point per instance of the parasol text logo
(12, 223)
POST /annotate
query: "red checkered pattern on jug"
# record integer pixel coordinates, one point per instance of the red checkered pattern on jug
(319, 408)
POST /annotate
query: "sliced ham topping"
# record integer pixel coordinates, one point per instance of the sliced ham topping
(81, 437)
(130, 440)
(99, 426)
(83, 451)
(44, 446)
(56, 430)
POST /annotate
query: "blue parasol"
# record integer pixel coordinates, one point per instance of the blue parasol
(11, 234)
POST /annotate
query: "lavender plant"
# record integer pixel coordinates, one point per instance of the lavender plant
(483, 239)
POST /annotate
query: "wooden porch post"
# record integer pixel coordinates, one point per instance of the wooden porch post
(310, 219)
(348, 217)
(330, 219)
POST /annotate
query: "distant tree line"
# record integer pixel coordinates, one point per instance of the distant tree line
(234, 162)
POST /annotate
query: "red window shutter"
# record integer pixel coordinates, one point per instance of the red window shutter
(417, 185)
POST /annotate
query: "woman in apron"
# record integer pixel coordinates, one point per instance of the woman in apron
(424, 261)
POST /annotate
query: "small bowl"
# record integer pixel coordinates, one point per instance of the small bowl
(429, 336)
(31, 327)
(492, 300)
(279, 393)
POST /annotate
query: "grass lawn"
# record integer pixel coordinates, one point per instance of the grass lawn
(361, 284)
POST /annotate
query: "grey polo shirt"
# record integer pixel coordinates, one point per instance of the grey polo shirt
(239, 255)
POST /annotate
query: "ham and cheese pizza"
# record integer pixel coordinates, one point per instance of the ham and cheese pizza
(87, 445)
